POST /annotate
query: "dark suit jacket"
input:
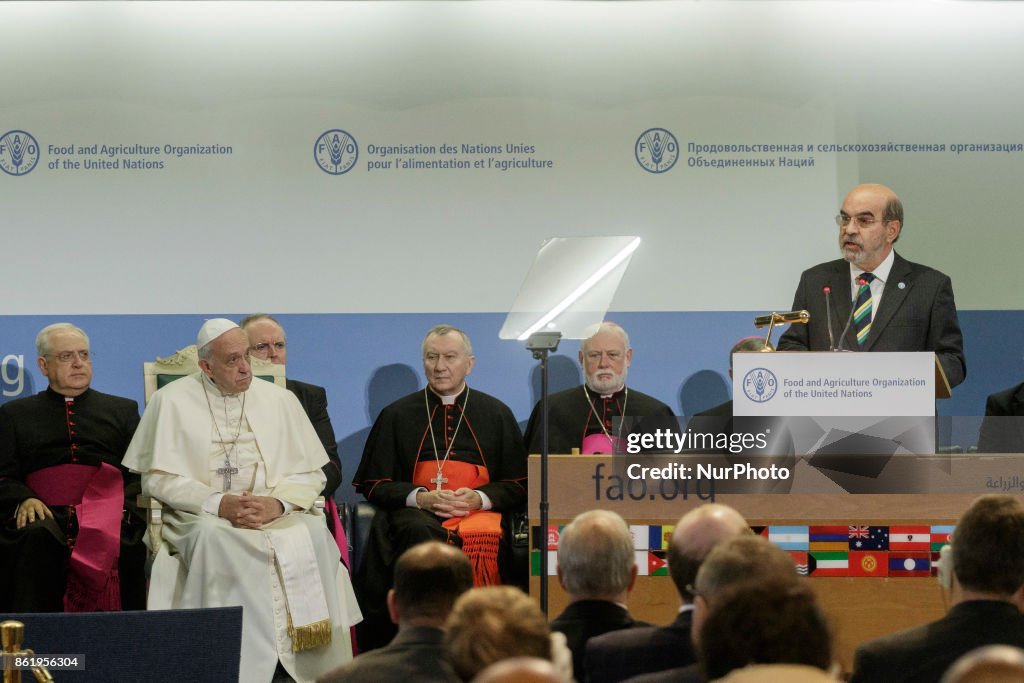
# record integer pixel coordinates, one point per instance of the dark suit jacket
(1002, 430)
(922, 654)
(684, 674)
(414, 656)
(919, 316)
(620, 654)
(314, 402)
(585, 619)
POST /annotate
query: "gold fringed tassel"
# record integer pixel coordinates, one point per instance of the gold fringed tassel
(309, 636)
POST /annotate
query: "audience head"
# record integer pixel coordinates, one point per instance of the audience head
(266, 338)
(775, 621)
(736, 561)
(64, 358)
(520, 670)
(596, 560)
(989, 664)
(695, 534)
(988, 547)
(429, 578)
(605, 357)
(447, 359)
(494, 623)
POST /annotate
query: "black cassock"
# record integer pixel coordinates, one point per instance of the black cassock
(42, 431)
(576, 413)
(400, 439)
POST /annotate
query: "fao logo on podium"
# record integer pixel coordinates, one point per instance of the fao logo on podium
(19, 152)
(657, 150)
(760, 385)
(336, 152)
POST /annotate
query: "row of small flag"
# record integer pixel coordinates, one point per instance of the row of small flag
(830, 550)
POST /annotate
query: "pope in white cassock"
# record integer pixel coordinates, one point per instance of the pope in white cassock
(238, 463)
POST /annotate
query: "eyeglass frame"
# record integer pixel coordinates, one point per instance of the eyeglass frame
(66, 357)
(842, 219)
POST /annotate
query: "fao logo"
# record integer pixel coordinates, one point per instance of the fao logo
(19, 152)
(760, 385)
(656, 150)
(336, 152)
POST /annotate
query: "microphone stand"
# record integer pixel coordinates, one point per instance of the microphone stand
(542, 344)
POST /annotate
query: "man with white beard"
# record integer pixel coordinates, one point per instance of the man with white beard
(584, 417)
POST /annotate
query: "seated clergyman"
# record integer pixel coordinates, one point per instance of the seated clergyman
(240, 464)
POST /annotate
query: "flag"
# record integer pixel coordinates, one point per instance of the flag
(828, 564)
(656, 564)
(869, 563)
(655, 538)
(940, 535)
(535, 563)
(789, 537)
(666, 536)
(641, 536)
(537, 539)
(829, 538)
(760, 531)
(910, 538)
(936, 558)
(909, 563)
(869, 538)
(799, 558)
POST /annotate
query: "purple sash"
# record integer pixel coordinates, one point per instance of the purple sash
(97, 495)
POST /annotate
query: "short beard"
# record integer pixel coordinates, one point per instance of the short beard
(606, 387)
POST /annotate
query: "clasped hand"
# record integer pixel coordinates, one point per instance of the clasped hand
(248, 511)
(448, 504)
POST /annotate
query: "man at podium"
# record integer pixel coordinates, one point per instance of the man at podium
(585, 417)
(873, 299)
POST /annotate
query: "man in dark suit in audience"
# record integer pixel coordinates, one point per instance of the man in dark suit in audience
(597, 569)
(730, 564)
(987, 593)
(1002, 430)
(620, 654)
(428, 579)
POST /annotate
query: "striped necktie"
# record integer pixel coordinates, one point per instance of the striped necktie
(862, 308)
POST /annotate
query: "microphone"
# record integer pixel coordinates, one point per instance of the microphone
(827, 291)
(789, 318)
(861, 282)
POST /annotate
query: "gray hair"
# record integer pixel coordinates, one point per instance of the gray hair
(740, 559)
(440, 331)
(595, 554)
(43, 338)
(607, 326)
(255, 317)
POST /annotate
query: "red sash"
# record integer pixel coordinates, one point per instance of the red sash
(480, 531)
(97, 495)
(331, 510)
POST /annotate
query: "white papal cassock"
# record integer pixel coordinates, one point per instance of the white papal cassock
(287, 576)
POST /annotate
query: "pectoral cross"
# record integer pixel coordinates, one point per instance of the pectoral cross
(228, 470)
(437, 481)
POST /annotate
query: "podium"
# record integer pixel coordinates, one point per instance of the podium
(860, 608)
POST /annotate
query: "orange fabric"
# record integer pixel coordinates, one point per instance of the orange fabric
(481, 530)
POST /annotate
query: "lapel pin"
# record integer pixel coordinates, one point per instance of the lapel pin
(902, 285)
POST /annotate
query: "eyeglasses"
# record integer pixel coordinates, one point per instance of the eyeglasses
(69, 356)
(263, 348)
(864, 220)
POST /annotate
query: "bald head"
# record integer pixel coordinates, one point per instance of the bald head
(871, 221)
(990, 664)
(520, 670)
(695, 534)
